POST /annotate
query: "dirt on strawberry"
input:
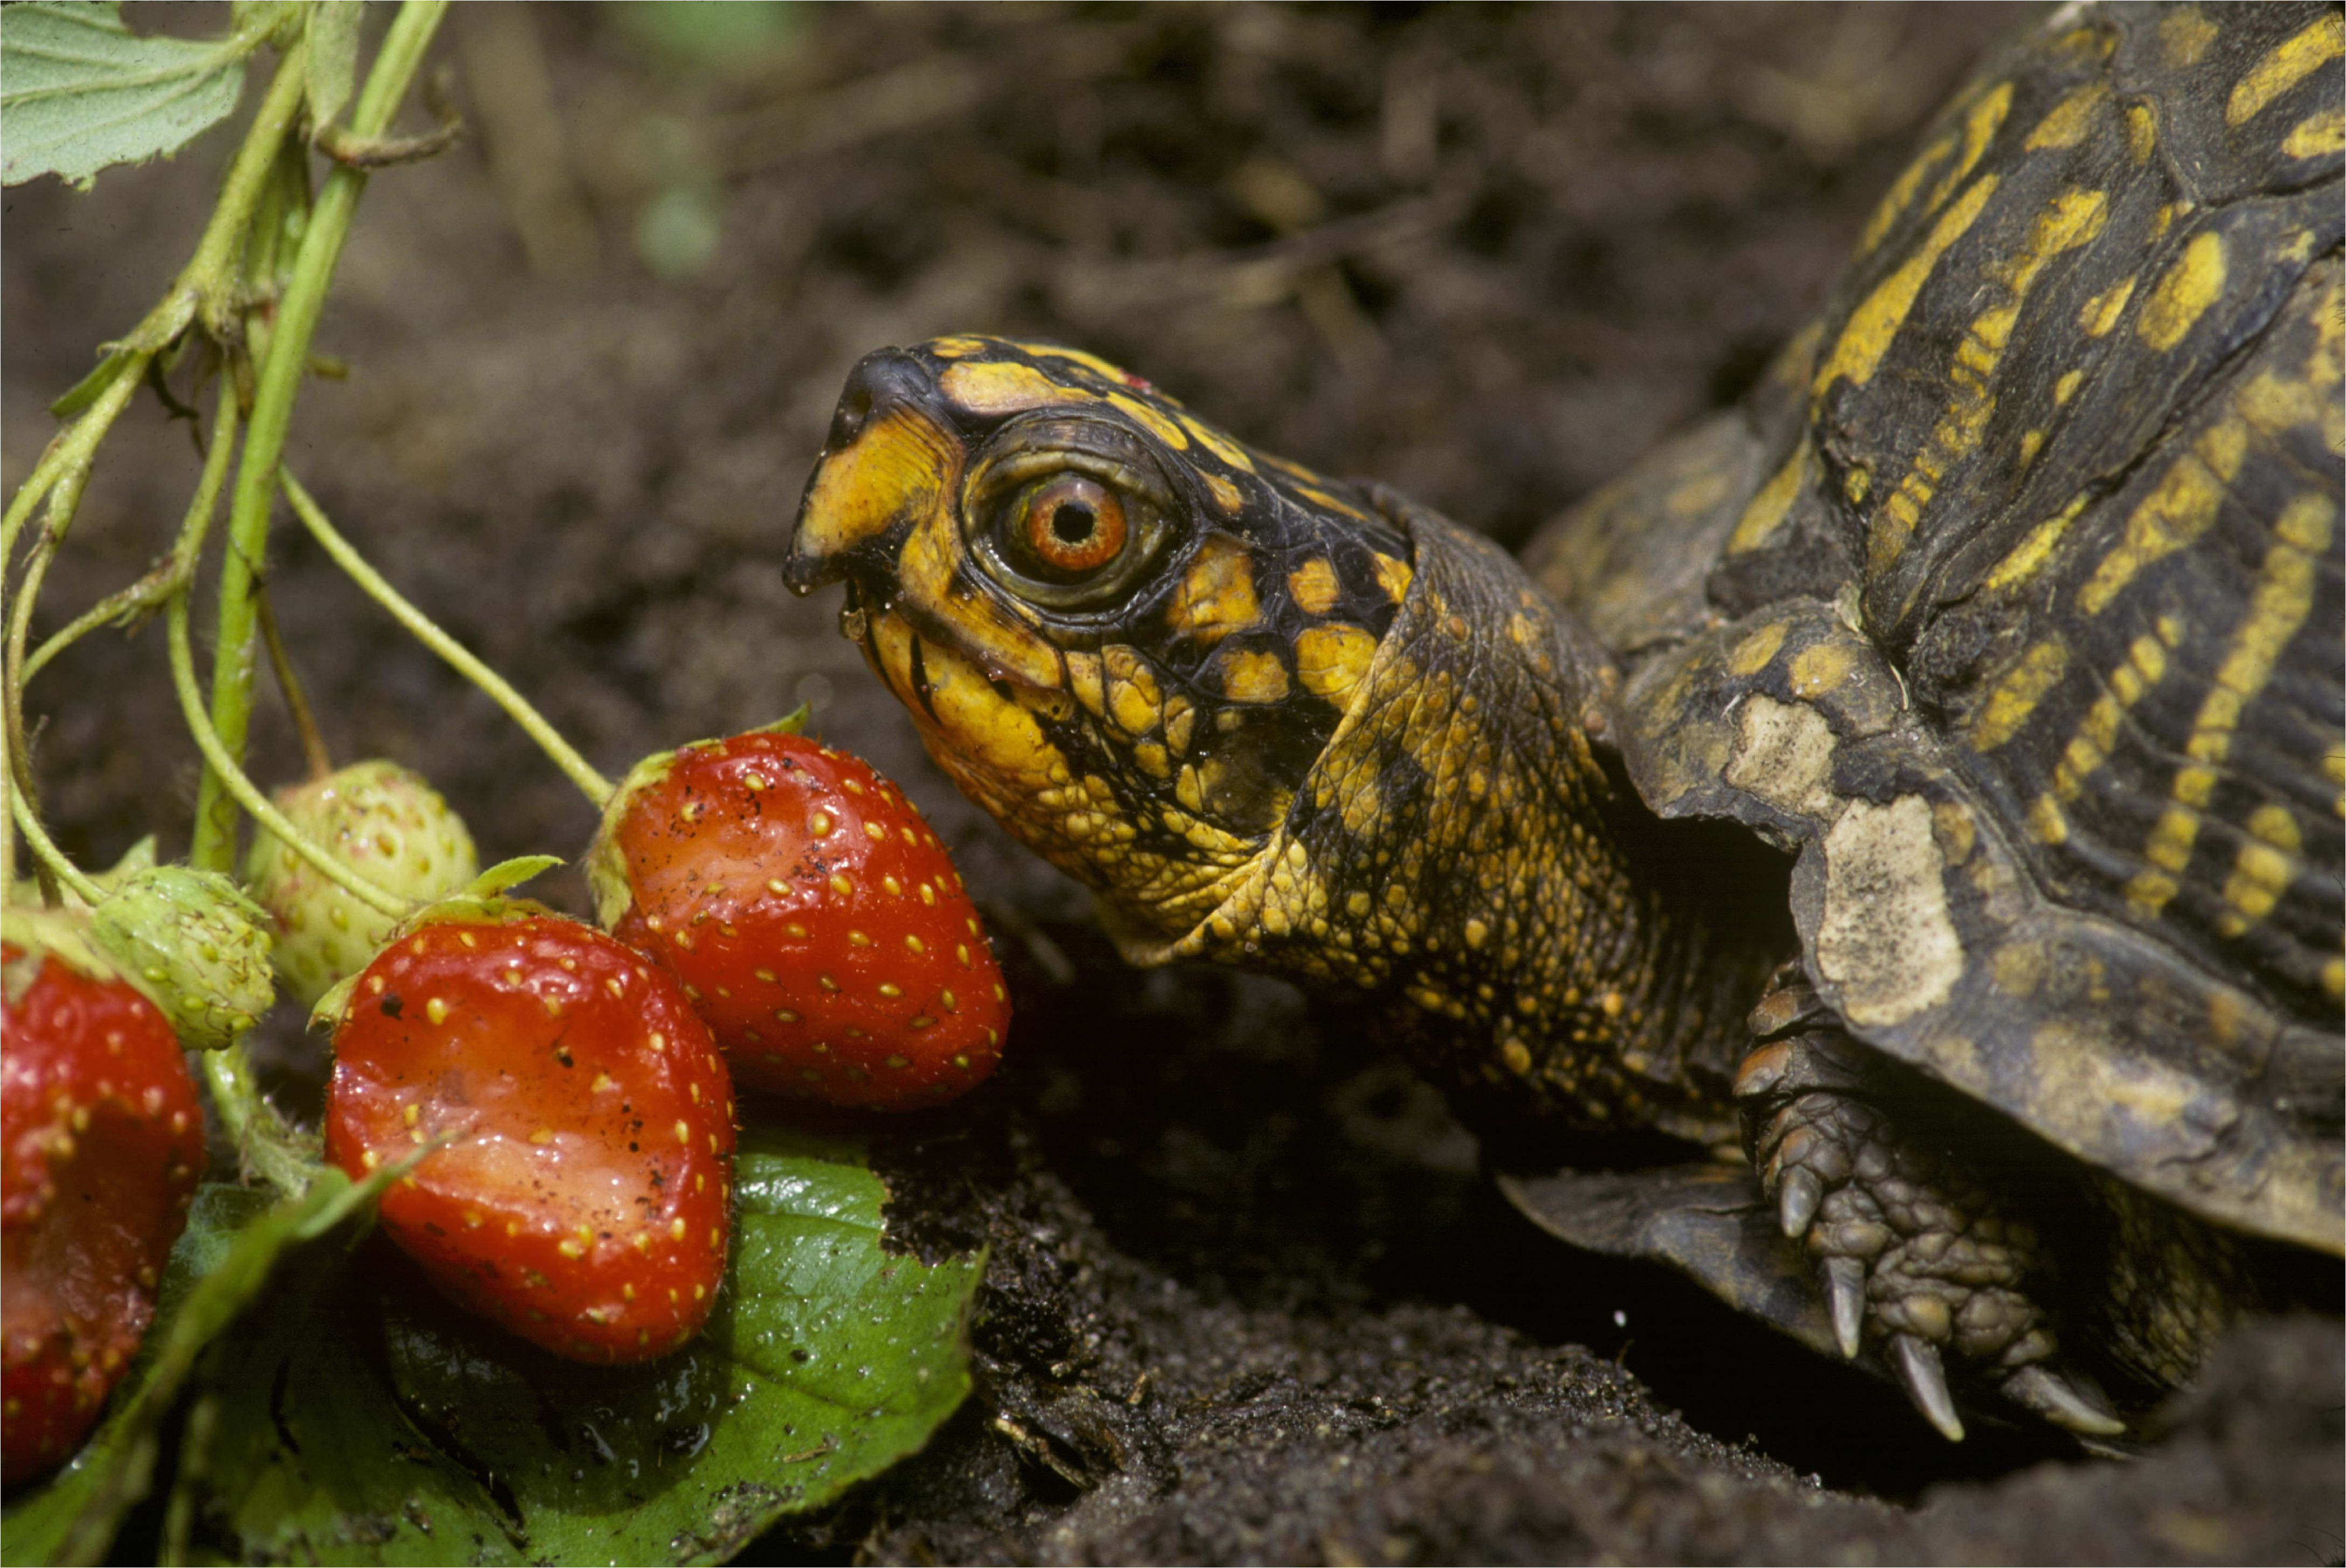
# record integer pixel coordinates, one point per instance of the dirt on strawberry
(1249, 1299)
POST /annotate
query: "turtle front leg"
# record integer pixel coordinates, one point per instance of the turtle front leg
(1914, 1251)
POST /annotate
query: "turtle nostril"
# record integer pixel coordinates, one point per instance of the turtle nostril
(848, 419)
(879, 381)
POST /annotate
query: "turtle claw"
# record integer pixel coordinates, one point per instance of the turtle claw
(2063, 1403)
(1925, 1378)
(1797, 1200)
(1845, 1295)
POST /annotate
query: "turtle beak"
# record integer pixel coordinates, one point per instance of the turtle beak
(890, 460)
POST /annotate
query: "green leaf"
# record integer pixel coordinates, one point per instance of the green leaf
(333, 60)
(360, 1418)
(78, 90)
(234, 1240)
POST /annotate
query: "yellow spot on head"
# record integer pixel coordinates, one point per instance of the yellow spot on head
(1221, 446)
(1217, 596)
(1314, 586)
(1150, 420)
(990, 389)
(1250, 674)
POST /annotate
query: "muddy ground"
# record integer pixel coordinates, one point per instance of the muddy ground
(1249, 1299)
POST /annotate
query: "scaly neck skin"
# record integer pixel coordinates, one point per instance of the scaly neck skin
(1459, 850)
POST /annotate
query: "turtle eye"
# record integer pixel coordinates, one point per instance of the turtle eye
(1068, 527)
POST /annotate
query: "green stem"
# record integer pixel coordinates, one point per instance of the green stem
(233, 654)
(564, 756)
(267, 1147)
(46, 850)
(242, 792)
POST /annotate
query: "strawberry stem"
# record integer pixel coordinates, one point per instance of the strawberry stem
(45, 849)
(288, 686)
(241, 790)
(564, 756)
(283, 369)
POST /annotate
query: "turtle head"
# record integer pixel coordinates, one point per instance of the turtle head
(1124, 634)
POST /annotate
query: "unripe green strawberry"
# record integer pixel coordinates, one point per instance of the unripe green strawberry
(383, 823)
(196, 945)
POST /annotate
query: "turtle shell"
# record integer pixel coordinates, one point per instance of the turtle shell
(2011, 602)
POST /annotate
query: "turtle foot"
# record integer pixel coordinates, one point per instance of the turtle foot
(1916, 1258)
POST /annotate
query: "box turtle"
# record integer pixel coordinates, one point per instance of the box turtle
(1882, 855)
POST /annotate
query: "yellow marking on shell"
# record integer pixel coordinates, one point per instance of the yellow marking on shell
(2016, 696)
(1332, 660)
(1901, 194)
(2184, 294)
(1251, 674)
(2278, 607)
(1392, 575)
(2071, 219)
(2333, 978)
(2261, 872)
(1752, 655)
(2031, 442)
(2066, 387)
(1866, 336)
(2141, 132)
(1217, 596)
(1134, 697)
(1981, 122)
(1220, 445)
(2047, 819)
(993, 389)
(1085, 681)
(2321, 134)
(1150, 420)
(2028, 558)
(2097, 315)
(2184, 35)
(1820, 668)
(959, 347)
(1227, 499)
(2177, 510)
(2068, 121)
(2287, 63)
(1772, 504)
(1314, 586)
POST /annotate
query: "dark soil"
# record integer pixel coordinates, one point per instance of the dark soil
(1249, 1299)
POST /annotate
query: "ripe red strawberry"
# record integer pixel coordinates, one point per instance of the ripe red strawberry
(585, 1201)
(815, 920)
(101, 1145)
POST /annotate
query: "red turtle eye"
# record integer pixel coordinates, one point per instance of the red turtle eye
(1071, 525)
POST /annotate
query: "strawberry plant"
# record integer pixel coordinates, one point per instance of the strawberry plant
(654, 1332)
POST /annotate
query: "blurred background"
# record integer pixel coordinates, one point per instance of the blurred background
(1490, 255)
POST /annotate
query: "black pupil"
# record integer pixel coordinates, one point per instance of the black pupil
(1072, 522)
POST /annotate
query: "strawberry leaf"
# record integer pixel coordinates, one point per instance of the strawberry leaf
(361, 1418)
(78, 90)
(234, 1240)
